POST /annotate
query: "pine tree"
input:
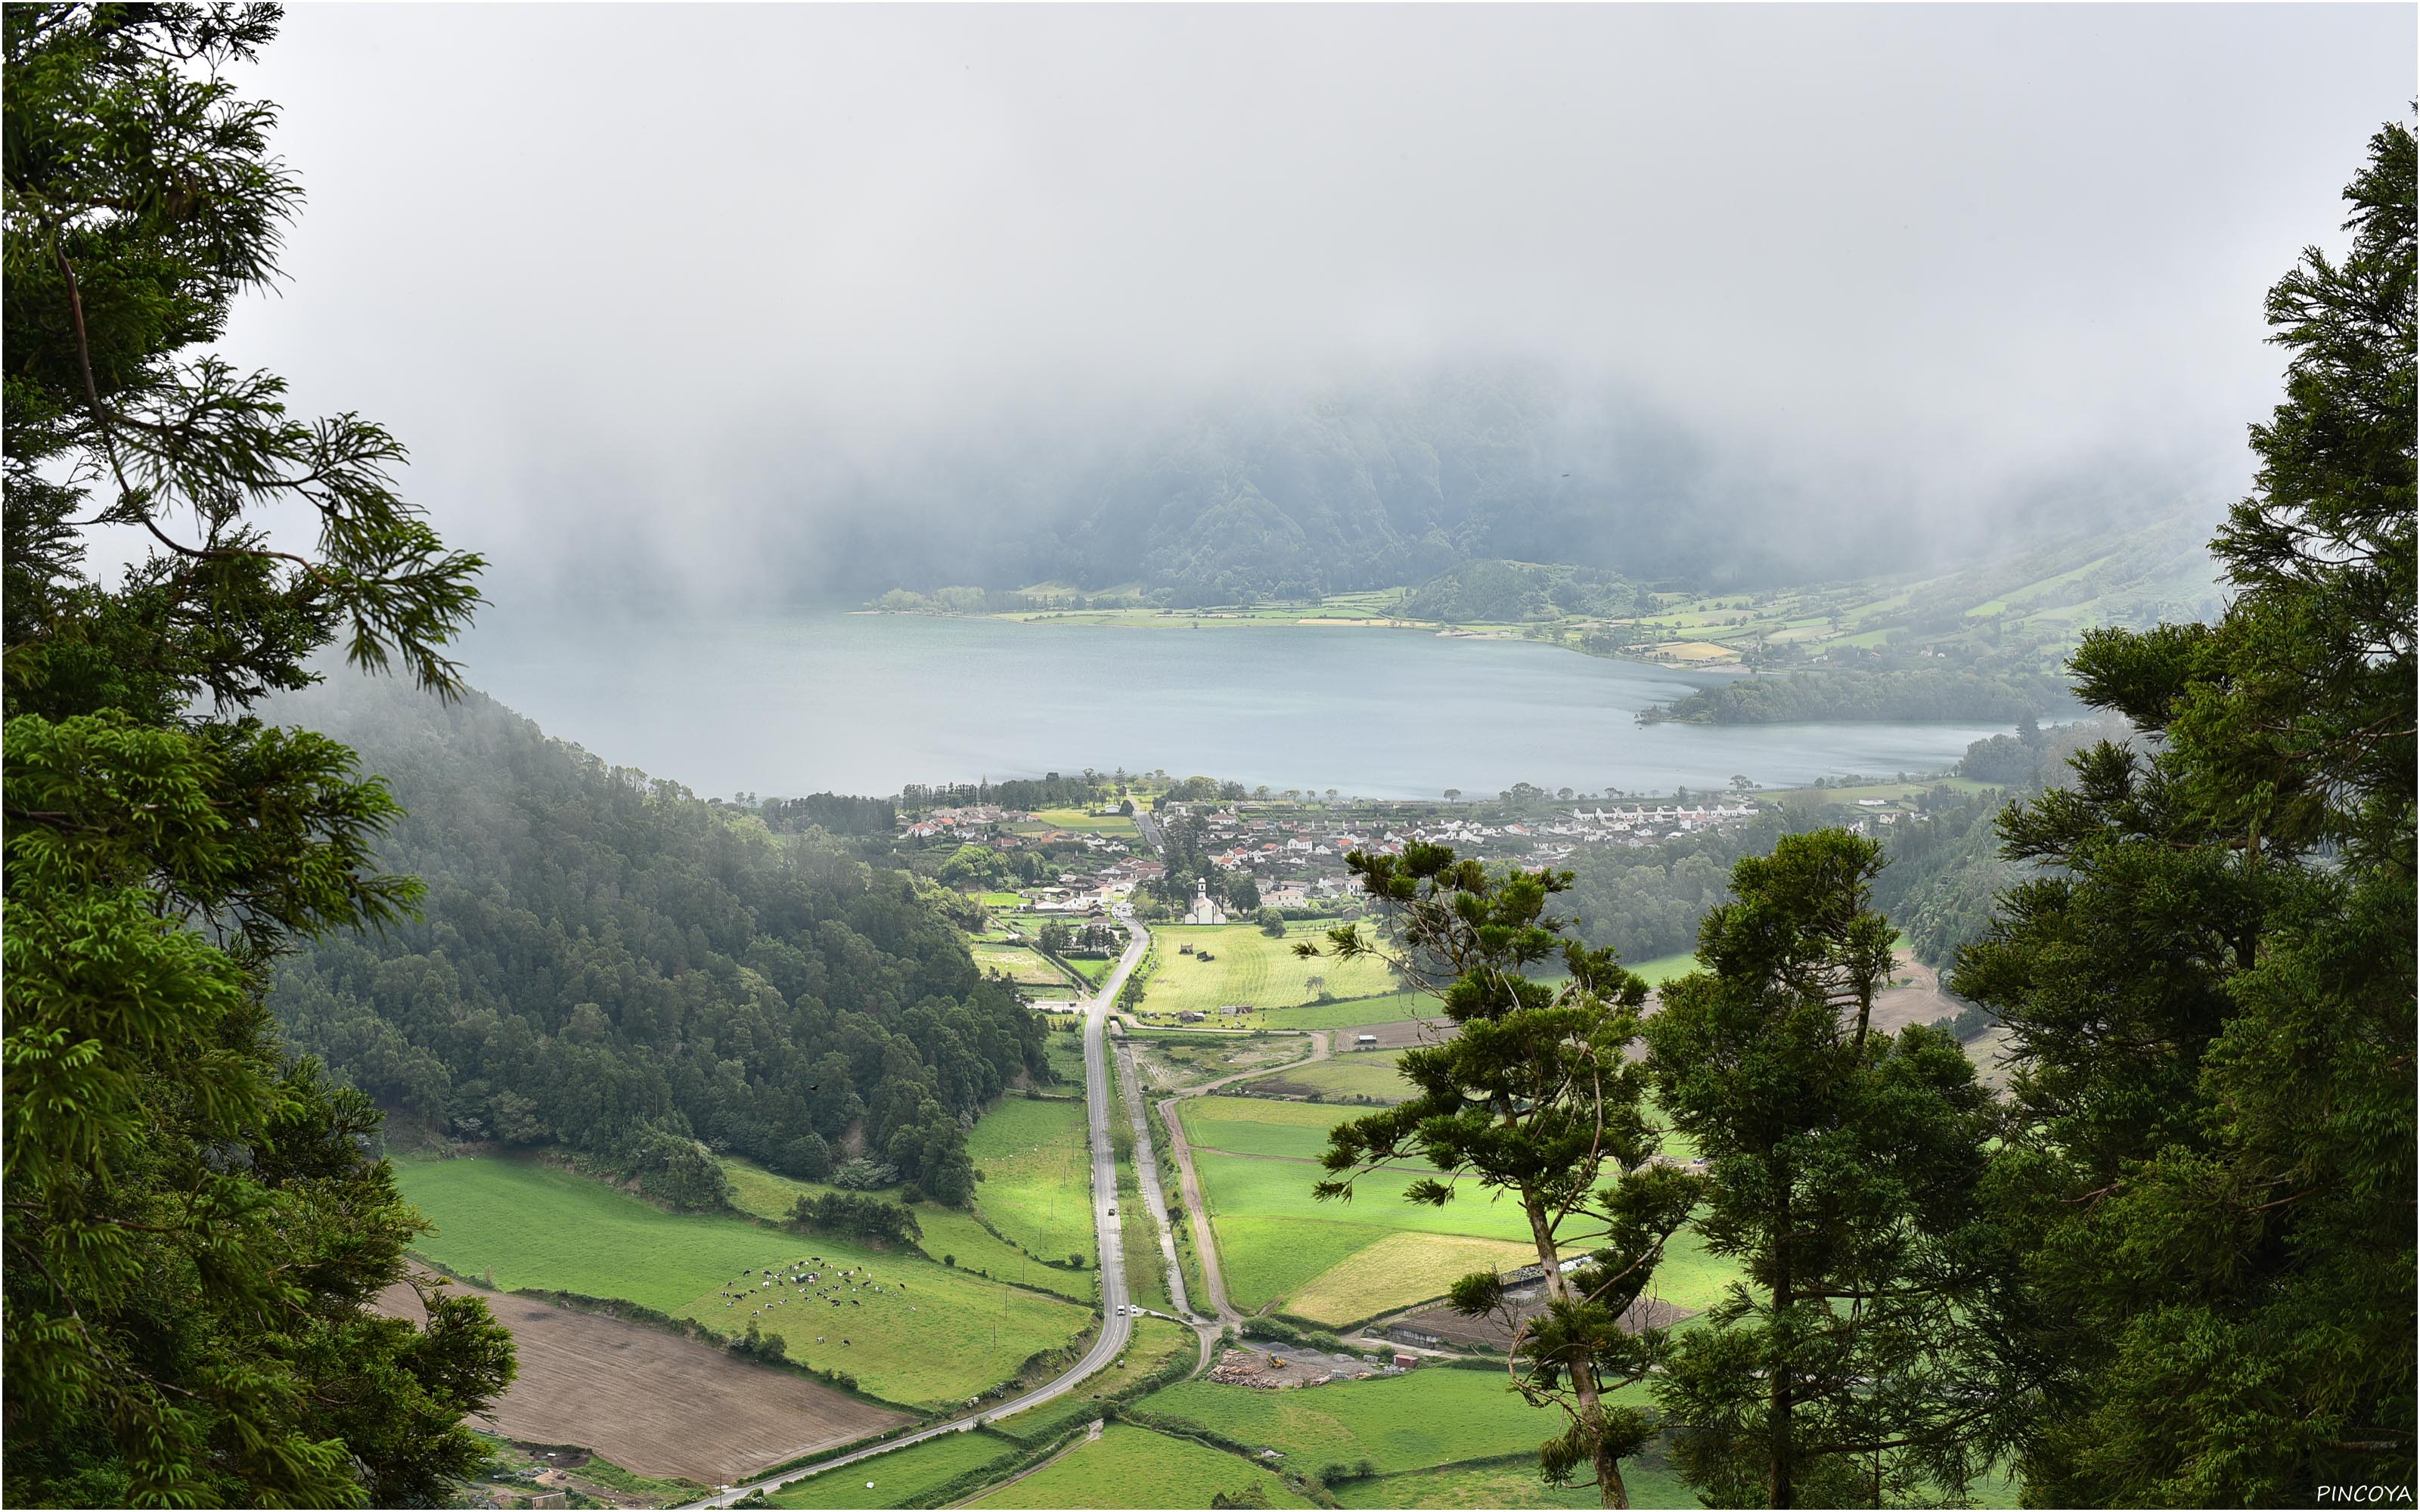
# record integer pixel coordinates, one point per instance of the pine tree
(1856, 1365)
(1536, 1099)
(194, 1222)
(2210, 984)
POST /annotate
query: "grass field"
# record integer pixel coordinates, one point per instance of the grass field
(1425, 1417)
(540, 1226)
(1512, 1485)
(1341, 1262)
(1019, 963)
(1261, 1126)
(1664, 968)
(1114, 825)
(1248, 966)
(901, 1477)
(1353, 1012)
(1399, 1270)
(1354, 1073)
(1132, 1467)
(1037, 1175)
(1274, 1241)
(946, 1231)
(1065, 1054)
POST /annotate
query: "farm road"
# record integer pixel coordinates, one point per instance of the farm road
(1206, 1242)
(1116, 1323)
(1154, 1197)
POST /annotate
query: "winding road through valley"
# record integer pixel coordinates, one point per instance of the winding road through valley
(1117, 1323)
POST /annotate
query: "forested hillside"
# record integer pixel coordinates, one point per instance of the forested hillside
(1927, 693)
(1944, 871)
(1505, 592)
(606, 963)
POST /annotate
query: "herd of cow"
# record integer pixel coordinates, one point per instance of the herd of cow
(813, 1287)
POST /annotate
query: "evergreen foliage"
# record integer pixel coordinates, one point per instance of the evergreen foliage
(1974, 694)
(858, 1215)
(1501, 593)
(194, 1222)
(608, 963)
(1534, 1099)
(1856, 1365)
(2211, 977)
(835, 812)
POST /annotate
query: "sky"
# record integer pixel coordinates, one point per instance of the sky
(656, 279)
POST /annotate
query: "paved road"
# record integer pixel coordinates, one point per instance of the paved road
(1155, 1198)
(1206, 1244)
(1116, 1324)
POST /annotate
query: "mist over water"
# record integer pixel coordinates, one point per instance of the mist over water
(788, 703)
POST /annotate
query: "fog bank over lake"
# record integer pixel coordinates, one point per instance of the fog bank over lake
(784, 702)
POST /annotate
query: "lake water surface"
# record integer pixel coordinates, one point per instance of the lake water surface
(804, 701)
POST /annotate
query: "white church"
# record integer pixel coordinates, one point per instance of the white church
(1203, 911)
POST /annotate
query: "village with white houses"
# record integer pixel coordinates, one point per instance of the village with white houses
(1296, 854)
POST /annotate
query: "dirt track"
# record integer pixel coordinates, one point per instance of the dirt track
(652, 1402)
(1205, 1241)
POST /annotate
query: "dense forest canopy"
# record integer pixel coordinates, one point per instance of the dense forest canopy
(608, 964)
(1943, 866)
(1946, 693)
(1510, 591)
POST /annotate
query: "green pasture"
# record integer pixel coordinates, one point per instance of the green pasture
(1132, 1467)
(1401, 1270)
(1511, 1484)
(903, 1477)
(940, 1335)
(998, 899)
(1248, 966)
(1354, 1013)
(538, 1225)
(1268, 1260)
(1274, 1239)
(1277, 1241)
(1037, 1175)
(1350, 1074)
(1093, 824)
(953, 1233)
(1424, 1417)
(1064, 1053)
(1018, 963)
(1664, 968)
(1260, 1126)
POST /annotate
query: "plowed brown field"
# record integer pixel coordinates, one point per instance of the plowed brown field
(652, 1402)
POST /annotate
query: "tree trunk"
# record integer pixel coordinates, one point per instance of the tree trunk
(1778, 1425)
(1611, 1491)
